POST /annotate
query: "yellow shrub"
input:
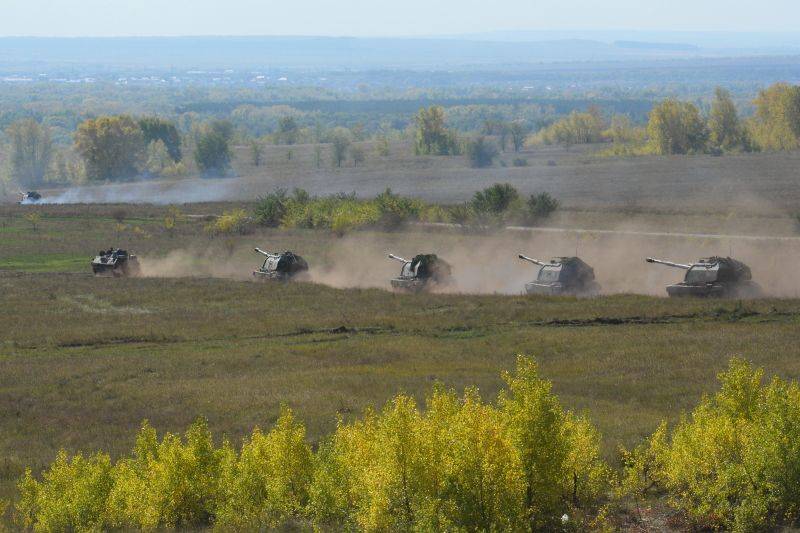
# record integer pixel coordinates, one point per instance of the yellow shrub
(231, 222)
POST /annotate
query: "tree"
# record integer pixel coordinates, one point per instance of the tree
(382, 147)
(621, 130)
(158, 129)
(256, 151)
(341, 138)
(577, 128)
(502, 136)
(288, 131)
(776, 124)
(518, 132)
(158, 158)
(432, 137)
(481, 152)
(112, 147)
(213, 151)
(725, 130)
(318, 155)
(30, 152)
(357, 153)
(676, 128)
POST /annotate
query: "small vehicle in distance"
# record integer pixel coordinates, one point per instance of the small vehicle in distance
(712, 277)
(562, 275)
(115, 262)
(280, 266)
(421, 273)
(30, 197)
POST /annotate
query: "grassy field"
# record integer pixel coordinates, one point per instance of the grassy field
(734, 185)
(84, 360)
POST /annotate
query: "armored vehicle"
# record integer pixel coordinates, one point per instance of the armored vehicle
(718, 277)
(115, 262)
(30, 197)
(421, 272)
(280, 266)
(562, 275)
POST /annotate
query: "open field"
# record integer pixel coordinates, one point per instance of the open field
(84, 360)
(763, 184)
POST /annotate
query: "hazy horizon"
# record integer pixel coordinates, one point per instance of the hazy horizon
(361, 18)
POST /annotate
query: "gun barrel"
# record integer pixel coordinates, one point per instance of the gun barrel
(668, 263)
(531, 260)
(397, 258)
(262, 252)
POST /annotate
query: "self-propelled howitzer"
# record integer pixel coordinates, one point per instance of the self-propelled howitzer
(562, 275)
(280, 266)
(715, 277)
(421, 273)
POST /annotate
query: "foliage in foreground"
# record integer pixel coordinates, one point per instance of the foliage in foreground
(734, 463)
(460, 464)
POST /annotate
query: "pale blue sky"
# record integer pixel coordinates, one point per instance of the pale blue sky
(382, 17)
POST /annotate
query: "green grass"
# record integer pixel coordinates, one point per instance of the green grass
(84, 360)
(44, 263)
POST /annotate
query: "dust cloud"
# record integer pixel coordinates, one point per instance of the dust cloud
(487, 263)
(158, 193)
(204, 263)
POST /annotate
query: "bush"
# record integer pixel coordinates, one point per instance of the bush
(234, 222)
(520, 162)
(271, 209)
(71, 496)
(268, 484)
(461, 464)
(395, 210)
(169, 484)
(481, 152)
(495, 203)
(540, 206)
(734, 463)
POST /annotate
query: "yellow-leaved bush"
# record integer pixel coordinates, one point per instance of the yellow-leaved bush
(458, 464)
(734, 463)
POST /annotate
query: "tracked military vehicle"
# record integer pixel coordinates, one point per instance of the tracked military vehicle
(714, 277)
(115, 262)
(562, 275)
(421, 273)
(280, 266)
(30, 197)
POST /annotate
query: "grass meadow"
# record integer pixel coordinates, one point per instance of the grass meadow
(84, 360)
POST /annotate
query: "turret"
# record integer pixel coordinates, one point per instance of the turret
(531, 260)
(668, 263)
(262, 252)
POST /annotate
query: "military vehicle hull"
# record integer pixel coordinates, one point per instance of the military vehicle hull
(409, 285)
(714, 290)
(556, 289)
(272, 275)
(117, 268)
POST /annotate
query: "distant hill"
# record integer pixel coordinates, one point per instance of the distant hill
(319, 52)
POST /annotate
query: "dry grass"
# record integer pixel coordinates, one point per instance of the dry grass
(84, 360)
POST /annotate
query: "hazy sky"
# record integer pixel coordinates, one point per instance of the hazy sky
(384, 17)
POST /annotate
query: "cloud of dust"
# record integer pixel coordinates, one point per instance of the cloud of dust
(487, 263)
(159, 193)
(214, 262)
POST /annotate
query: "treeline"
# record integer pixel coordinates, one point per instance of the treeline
(678, 127)
(461, 464)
